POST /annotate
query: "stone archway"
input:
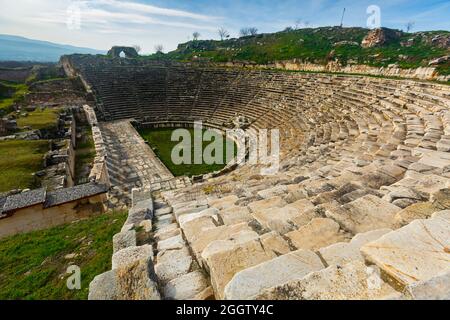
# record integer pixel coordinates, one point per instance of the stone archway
(129, 52)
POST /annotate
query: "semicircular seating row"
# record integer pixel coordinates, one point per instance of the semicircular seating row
(364, 175)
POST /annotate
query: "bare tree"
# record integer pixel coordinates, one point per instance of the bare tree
(196, 35)
(244, 32)
(159, 48)
(248, 32)
(409, 26)
(307, 24)
(223, 33)
(137, 48)
(297, 24)
(253, 31)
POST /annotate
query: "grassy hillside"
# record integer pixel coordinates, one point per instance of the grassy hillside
(408, 50)
(33, 266)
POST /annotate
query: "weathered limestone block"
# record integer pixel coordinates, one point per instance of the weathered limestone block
(220, 233)
(194, 229)
(275, 202)
(235, 215)
(225, 258)
(182, 211)
(133, 282)
(427, 184)
(143, 210)
(318, 233)
(431, 158)
(365, 214)
(273, 192)
(421, 210)
(445, 214)
(224, 203)
(248, 283)
(172, 264)
(211, 212)
(416, 252)
(129, 255)
(187, 287)
(173, 243)
(277, 219)
(342, 252)
(441, 199)
(124, 240)
(349, 282)
(302, 205)
(274, 242)
(167, 232)
(437, 288)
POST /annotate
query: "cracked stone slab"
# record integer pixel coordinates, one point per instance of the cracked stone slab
(248, 283)
(416, 252)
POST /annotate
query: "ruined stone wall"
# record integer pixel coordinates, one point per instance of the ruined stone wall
(423, 73)
(39, 218)
(99, 172)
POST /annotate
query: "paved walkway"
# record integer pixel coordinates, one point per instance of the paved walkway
(130, 161)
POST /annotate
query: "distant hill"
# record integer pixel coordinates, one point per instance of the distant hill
(380, 48)
(14, 48)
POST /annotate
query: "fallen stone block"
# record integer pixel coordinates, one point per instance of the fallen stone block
(247, 284)
(224, 203)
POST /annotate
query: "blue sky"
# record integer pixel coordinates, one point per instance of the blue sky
(104, 23)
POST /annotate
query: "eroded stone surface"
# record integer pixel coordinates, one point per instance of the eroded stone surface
(349, 282)
(248, 283)
(416, 252)
(318, 233)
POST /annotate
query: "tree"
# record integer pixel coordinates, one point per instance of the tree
(244, 32)
(159, 48)
(248, 32)
(409, 26)
(137, 48)
(223, 33)
(253, 31)
(195, 36)
(298, 23)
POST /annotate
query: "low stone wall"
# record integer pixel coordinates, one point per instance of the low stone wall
(423, 73)
(132, 276)
(52, 209)
(99, 172)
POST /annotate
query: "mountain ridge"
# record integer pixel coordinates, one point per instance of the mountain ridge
(19, 48)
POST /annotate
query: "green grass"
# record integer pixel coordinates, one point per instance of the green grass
(40, 119)
(160, 142)
(33, 265)
(19, 159)
(19, 91)
(314, 45)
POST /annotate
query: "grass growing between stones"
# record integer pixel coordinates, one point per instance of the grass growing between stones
(33, 266)
(160, 141)
(19, 159)
(40, 119)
